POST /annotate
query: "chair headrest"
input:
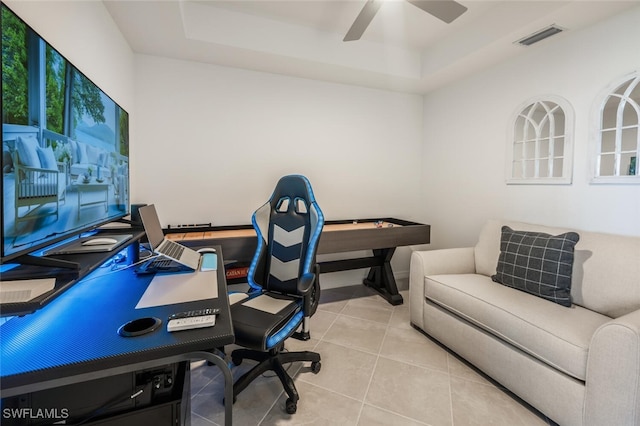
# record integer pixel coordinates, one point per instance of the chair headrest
(292, 188)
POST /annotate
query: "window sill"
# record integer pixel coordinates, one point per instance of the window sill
(540, 181)
(615, 180)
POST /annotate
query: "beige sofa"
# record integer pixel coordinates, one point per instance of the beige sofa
(579, 365)
(89, 159)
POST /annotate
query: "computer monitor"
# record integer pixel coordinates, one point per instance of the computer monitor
(65, 146)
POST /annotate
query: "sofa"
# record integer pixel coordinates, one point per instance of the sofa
(577, 364)
(90, 160)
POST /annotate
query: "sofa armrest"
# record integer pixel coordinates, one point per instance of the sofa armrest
(435, 262)
(612, 393)
(445, 261)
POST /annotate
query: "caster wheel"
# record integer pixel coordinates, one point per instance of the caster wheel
(315, 367)
(291, 407)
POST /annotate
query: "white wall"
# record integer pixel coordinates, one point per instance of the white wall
(225, 136)
(84, 33)
(466, 127)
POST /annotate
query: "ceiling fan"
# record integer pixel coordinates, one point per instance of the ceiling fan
(445, 10)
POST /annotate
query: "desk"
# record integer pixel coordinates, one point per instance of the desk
(338, 236)
(74, 337)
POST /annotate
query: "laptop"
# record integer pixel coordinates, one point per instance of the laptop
(163, 246)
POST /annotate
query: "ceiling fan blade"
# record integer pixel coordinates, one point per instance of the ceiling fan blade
(445, 10)
(362, 20)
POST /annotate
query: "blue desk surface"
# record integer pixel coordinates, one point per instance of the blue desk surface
(77, 333)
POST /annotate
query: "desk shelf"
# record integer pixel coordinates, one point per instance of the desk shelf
(65, 278)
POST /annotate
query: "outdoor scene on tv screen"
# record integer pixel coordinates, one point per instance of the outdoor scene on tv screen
(65, 144)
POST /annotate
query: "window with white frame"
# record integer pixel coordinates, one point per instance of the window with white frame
(540, 146)
(618, 136)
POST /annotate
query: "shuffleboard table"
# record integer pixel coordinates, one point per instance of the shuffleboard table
(382, 236)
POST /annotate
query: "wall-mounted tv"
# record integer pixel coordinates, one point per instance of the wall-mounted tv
(65, 146)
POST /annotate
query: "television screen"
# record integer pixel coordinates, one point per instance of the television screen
(65, 146)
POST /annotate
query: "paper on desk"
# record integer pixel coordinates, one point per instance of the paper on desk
(168, 289)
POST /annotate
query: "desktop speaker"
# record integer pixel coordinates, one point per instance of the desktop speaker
(135, 213)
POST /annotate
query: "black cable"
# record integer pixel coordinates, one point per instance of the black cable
(101, 410)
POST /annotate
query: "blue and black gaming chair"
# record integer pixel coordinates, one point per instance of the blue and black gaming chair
(284, 286)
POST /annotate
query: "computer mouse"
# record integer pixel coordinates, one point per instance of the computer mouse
(207, 250)
(100, 241)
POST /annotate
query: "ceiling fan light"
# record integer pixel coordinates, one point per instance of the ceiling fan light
(540, 35)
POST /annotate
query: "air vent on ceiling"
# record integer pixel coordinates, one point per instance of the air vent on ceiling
(540, 35)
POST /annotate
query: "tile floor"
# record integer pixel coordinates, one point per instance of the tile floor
(376, 370)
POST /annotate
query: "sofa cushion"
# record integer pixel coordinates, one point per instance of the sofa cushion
(555, 335)
(47, 158)
(28, 151)
(538, 263)
(73, 147)
(82, 153)
(93, 154)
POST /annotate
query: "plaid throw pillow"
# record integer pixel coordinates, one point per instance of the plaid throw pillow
(538, 263)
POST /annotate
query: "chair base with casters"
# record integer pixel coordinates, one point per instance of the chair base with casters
(257, 346)
(274, 360)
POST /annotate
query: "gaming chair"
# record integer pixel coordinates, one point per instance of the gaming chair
(284, 287)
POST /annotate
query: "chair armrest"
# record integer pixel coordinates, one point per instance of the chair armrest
(35, 169)
(305, 283)
(612, 393)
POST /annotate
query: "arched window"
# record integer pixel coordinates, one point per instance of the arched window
(540, 146)
(618, 136)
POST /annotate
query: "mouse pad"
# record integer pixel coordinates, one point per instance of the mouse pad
(168, 289)
(209, 262)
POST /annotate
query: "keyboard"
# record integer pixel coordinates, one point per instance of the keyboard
(171, 249)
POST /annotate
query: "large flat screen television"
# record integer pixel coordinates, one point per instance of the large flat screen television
(65, 146)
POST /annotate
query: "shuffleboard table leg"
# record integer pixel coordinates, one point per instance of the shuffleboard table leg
(381, 277)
